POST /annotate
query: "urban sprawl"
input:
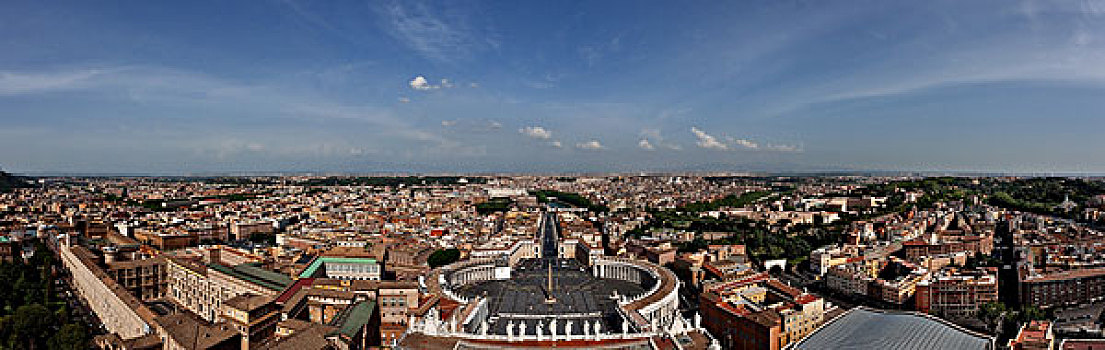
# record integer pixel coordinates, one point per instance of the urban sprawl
(723, 261)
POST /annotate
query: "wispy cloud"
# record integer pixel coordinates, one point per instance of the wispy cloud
(1093, 7)
(590, 145)
(472, 126)
(305, 15)
(645, 145)
(593, 54)
(536, 132)
(749, 144)
(228, 147)
(1055, 42)
(707, 141)
(434, 36)
(173, 89)
(784, 148)
(655, 139)
(420, 83)
(15, 83)
(140, 84)
(540, 84)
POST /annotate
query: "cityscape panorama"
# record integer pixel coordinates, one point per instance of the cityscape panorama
(618, 175)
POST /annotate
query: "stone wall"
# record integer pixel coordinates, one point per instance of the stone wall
(104, 296)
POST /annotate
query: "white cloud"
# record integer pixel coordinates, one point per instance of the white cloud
(20, 83)
(744, 143)
(404, 99)
(557, 144)
(420, 83)
(707, 141)
(656, 140)
(784, 148)
(644, 144)
(710, 142)
(471, 126)
(593, 144)
(473, 85)
(536, 132)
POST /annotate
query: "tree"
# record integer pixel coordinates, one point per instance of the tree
(62, 313)
(443, 257)
(989, 313)
(31, 324)
(1032, 313)
(693, 246)
(70, 337)
(494, 205)
(7, 339)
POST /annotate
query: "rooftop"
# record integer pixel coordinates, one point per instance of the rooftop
(311, 337)
(354, 318)
(866, 328)
(247, 301)
(318, 262)
(254, 274)
(191, 332)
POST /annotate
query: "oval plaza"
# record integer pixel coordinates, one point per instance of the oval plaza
(546, 293)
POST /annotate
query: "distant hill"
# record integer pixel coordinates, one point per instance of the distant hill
(9, 181)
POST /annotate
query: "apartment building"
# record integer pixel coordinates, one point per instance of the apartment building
(203, 287)
(956, 294)
(759, 312)
(1063, 288)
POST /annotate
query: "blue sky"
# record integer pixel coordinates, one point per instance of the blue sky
(526, 86)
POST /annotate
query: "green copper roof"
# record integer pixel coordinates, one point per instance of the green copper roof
(313, 268)
(355, 318)
(255, 275)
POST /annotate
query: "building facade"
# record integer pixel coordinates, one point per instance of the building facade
(145, 279)
(1063, 288)
(202, 288)
(956, 295)
(759, 312)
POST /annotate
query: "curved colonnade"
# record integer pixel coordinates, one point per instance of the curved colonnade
(649, 313)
